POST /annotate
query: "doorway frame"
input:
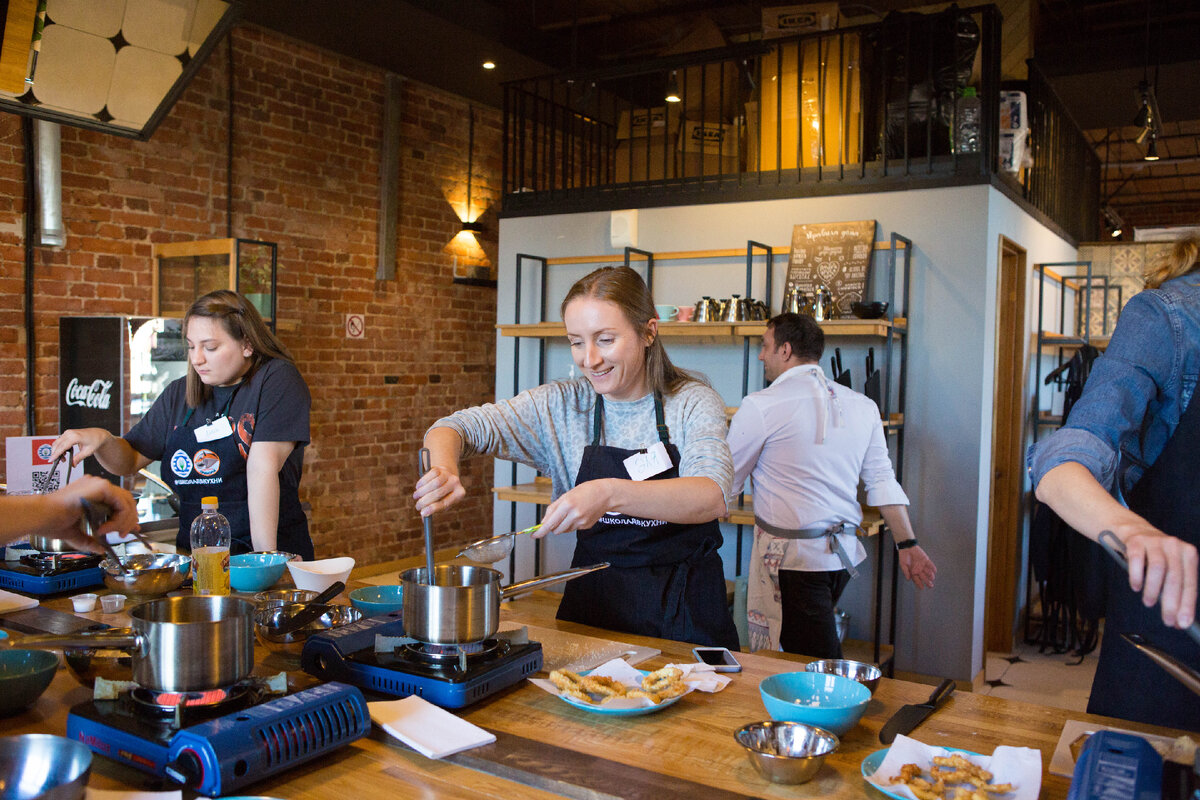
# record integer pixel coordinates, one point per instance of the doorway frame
(1006, 518)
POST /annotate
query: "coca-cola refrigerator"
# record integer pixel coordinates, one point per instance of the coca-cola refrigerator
(111, 369)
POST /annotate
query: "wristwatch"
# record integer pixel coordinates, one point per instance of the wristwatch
(907, 543)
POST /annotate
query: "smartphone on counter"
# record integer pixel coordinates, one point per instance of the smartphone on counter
(719, 657)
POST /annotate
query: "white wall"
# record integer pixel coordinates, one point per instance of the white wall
(951, 356)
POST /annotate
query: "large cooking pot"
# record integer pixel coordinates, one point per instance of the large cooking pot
(178, 644)
(462, 605)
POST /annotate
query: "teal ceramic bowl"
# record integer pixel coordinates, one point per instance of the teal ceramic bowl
(376, 600)
(254, 572)
(831, 702)
(24, 675)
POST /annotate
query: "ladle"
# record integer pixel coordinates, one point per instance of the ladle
(493, 548)
(427, 520)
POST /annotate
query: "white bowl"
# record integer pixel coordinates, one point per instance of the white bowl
(319, 575)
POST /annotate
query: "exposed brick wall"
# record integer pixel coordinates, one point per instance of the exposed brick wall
(307, 134)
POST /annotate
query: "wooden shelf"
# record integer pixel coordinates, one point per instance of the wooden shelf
(682, 255)
(837, 327)
(1063, 340)
(539, 492)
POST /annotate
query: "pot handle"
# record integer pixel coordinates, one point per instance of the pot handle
(546, 580)
(96, 640)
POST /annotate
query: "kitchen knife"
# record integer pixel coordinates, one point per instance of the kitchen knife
(840, 375)
(910, 716)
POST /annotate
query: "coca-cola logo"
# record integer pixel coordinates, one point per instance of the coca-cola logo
(89, 395)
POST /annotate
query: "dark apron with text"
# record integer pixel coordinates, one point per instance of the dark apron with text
(220, 463)
(1128, 684)
(666, 579)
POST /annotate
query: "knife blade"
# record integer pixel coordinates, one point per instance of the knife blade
(912, 715)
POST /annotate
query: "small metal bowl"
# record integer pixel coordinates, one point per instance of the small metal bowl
(38, 765)
(872, 310)
(866, 674)
(268, 619)
(88, 663)
(786, 752)
(277, 597)
(147, 574)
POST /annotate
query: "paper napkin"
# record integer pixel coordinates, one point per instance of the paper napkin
(432, 731)
(11, 601)
(696, 676)
(132, 794)
(1020, 766)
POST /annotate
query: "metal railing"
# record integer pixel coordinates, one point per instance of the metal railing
(866, 108)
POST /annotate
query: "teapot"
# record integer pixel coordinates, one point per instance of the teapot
(759, 310)
(821, 307)
(707, 310)
(795, 301)
(735, 309)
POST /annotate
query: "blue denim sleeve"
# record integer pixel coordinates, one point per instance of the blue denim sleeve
(1123, 386)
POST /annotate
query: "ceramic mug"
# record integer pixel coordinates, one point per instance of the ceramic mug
(685, 313)
(667, 313)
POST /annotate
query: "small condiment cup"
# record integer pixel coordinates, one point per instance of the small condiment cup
(112, 603)
(84, 602)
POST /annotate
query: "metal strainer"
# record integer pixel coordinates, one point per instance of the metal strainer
(493, 548)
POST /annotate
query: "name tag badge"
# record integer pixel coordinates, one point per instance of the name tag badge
(654, 461)
(217, 429)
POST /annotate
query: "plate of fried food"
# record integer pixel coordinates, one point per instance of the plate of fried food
(620, 690)
(912, 770)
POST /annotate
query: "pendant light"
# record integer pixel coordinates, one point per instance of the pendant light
(468, 225)
(673, 95)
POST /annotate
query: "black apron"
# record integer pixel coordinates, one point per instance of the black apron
(1128, 684)
(222, 466)
(666, 578)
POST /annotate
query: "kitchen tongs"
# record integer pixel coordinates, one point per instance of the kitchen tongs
(1186, 675)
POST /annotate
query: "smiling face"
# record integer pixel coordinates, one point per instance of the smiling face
(218, 358)
(607, 347)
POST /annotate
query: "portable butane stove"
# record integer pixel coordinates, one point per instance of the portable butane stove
(373, 653)
(39, 573)
(221, 740)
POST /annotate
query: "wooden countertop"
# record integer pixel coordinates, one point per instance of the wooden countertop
(546, 748)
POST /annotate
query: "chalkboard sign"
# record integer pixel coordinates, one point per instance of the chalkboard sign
(836, 255)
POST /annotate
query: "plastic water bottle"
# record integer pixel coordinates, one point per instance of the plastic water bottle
(967, 117)
(211, 538)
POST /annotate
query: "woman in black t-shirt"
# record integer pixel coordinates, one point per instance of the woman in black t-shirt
(235, 428)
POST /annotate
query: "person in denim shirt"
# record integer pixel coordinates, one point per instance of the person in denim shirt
(1127, 461)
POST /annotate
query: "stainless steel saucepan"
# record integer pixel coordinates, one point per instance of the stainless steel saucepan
(178, 644)
(462, 604)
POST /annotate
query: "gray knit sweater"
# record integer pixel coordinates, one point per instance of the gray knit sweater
(548, 428)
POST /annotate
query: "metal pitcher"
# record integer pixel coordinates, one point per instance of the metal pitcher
(821, 307)
(795, 301)
(707, 310)
(735, 309)
(759, 310)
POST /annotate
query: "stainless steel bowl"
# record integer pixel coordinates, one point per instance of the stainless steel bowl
(268, 619)
(147, 574)
(866, 674)
(38, 765)
(88, 663)
(277, 597)
(786, 752)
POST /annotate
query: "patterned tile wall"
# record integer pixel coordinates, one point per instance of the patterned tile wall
(1117, 271)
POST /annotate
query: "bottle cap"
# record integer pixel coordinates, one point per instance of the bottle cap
(968, 91)
(208, 502)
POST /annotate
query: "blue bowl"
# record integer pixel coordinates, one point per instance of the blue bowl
(254, 572)
(24, 675)
(831, 702)
(376, 600)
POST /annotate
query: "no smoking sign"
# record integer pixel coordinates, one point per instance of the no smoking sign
(355, 326)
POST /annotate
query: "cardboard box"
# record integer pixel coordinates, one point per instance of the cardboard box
(642, 160)
(790, 20)
(804, 84)
(708, 148)
(641, 122)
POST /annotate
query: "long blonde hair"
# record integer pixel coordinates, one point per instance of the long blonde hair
(1180, 259)
(625, 289)
(241, 320)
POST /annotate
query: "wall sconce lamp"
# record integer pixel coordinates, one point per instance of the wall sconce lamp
(673, 95)
(469, 225)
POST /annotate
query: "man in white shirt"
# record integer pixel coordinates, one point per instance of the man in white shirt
(807, 442)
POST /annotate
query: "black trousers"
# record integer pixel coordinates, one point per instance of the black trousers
(808, 600)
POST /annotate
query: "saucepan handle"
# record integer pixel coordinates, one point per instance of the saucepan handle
(546, 580)
(96, 640)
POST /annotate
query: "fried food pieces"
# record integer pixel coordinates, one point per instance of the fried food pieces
(951, 777)
(657, 686)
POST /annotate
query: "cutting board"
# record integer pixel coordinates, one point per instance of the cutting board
(578, 653)
(11, 601)
(47, 620)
